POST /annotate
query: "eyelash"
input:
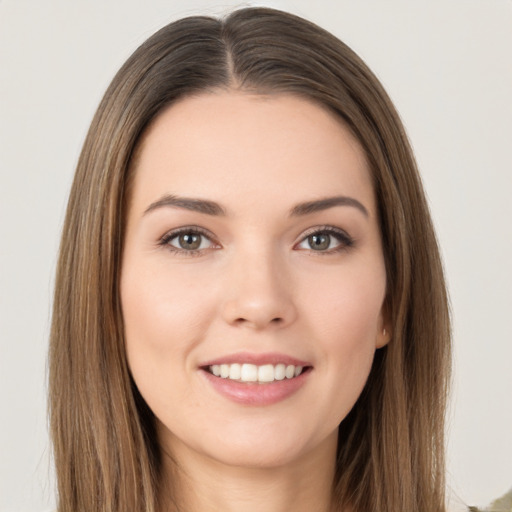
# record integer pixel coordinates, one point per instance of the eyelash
(345, 241)
(189, 230)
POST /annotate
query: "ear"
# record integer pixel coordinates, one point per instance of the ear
(383, 338)
(384, 333)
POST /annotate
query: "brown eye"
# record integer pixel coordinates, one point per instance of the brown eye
(190, 241)
(328, 240)
(187, 241)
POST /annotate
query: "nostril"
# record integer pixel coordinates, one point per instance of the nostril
(274, 321)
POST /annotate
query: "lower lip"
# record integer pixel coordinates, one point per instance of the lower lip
(254, 393)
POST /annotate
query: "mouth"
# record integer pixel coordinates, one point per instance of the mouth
(256, 379)
(261, 374)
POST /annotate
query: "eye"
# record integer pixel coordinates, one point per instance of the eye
(187, 240)
(327, 240)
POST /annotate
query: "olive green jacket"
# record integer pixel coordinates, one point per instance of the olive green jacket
(504, 504)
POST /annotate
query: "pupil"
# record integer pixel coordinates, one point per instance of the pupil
(319, 242)
(190, 241)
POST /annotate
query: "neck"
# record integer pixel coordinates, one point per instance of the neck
(200, 484)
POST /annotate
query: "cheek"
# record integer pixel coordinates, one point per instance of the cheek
(347, 305)
(165, 315)
(349, 334)
(346, 314)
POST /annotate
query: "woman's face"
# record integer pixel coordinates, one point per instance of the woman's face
(252, 254)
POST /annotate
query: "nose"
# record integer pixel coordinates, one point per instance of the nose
(258, 293)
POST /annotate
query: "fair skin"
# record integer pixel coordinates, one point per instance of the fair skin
(253, 279)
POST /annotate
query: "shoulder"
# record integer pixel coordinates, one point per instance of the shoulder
(503, 504)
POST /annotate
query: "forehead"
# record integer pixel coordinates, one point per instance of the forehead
(271, 147)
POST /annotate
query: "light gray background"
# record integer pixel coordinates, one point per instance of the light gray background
(448, 67)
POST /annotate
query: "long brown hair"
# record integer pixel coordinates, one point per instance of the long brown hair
(390, 453)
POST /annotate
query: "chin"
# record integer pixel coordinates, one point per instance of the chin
(263, 460)
(258, 456)
(258, 447)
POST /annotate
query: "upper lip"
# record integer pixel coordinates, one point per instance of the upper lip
(256, 359)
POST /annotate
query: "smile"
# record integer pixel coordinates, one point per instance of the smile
(256, 379)
(247, 372)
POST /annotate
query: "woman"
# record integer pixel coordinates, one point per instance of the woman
(250, 310)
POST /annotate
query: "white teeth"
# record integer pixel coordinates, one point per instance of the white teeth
(235, 370)
(266, 373)
(279, 372)
(249, 373)
(252, 373)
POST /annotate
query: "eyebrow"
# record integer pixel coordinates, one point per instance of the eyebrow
(212, 208)
(326, 203)
(187, 203)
